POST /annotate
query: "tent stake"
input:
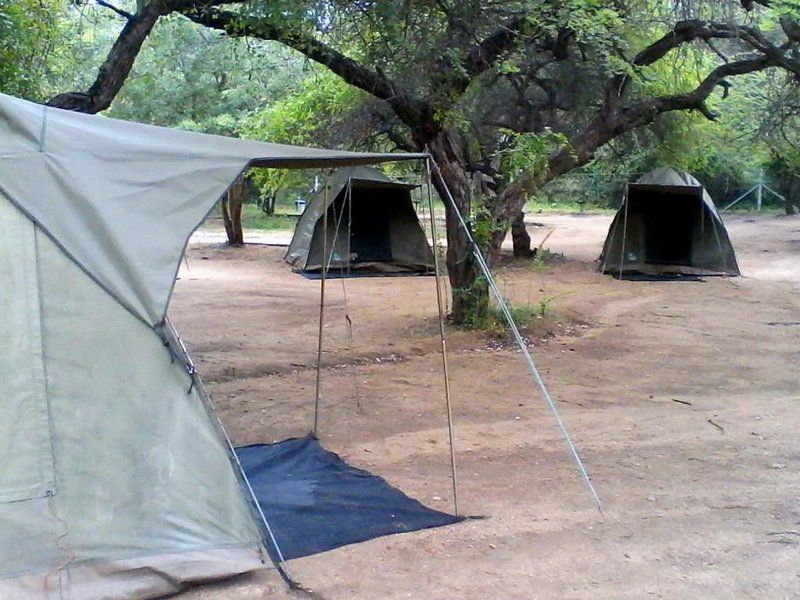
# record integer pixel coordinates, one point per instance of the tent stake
(446, 371)
(476, 252)
(325, 263)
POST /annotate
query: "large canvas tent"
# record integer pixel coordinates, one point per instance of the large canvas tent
(116, 480)
(668, 224)
(370, 227)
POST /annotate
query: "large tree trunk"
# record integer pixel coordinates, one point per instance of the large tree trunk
(231, 207)
(470, 290)
(521, 238)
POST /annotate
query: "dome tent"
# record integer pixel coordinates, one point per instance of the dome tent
(117, 480)
(372, 227)
(668, 224)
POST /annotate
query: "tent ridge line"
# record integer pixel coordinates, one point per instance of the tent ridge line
(72, 258)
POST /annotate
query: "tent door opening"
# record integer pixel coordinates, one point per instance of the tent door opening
(370, 235)
(669, 225)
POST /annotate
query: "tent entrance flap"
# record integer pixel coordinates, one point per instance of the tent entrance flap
(317, 502)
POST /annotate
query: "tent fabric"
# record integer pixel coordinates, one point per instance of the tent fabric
(121, 198)
(116, 479)
(668, 224)
(128, 464)
(134, 578)
(371, 226)
(317, 502)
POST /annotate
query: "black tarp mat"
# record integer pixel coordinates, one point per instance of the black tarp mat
(314, 501)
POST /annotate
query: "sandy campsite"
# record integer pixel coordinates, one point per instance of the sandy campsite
(682, 396)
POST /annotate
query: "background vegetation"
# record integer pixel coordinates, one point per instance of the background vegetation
(542, 103)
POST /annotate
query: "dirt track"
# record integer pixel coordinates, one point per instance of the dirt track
(683, 397)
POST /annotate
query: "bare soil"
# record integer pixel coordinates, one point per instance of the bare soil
(682, 396)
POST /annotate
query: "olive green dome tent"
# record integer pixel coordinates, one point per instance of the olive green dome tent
(668, 224)
(372, 227)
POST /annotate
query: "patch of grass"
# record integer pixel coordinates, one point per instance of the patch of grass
(560, 206)
(494, 322)
(254, 218)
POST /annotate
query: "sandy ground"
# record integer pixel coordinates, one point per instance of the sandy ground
(683, 397)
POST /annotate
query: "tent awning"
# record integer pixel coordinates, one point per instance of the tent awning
(121, 199)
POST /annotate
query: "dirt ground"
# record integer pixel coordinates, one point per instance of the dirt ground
(682, 396)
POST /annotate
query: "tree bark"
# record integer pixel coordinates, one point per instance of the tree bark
(791, 192)
(521, 238)
(469, 288)
(231, 208)
(268, 203)
(117, 65)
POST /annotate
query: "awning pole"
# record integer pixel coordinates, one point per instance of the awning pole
(434, 239)
(624, 232)
(512, 325)
(325, 263)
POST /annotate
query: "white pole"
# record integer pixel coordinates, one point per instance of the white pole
(325, 263)
(760, 190)
(445, 369)
(501, 302)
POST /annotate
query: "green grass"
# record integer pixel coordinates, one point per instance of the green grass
(559, 206)
(253, 218)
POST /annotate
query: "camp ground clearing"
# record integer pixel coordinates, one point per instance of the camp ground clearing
(119, 481)
(682, 395)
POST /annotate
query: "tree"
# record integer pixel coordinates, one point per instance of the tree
(506, 96)
(33, 49)
(231, 207)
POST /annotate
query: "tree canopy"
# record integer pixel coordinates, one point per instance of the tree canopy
(507, 96)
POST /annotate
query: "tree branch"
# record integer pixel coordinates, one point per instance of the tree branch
(698, 30)
(411, 111)
(122, 13)
(485, 54)
(612, 121)
(117, 65)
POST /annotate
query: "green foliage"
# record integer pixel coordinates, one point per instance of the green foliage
(308, 117)
(33, 46)
(592, 21)
(476, 314)
(205, 80)
(528, 152)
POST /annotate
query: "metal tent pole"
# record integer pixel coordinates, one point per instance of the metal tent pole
(760, 190)
(325, 263)
(624, 232)
(520, 341)
(445, 370)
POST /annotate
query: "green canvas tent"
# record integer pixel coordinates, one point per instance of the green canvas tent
(116, 479)
(372, 227)
(668, 224)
